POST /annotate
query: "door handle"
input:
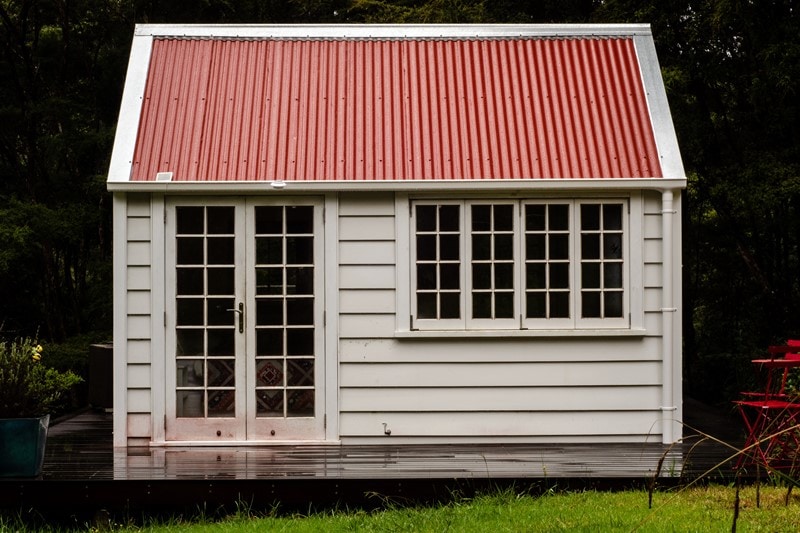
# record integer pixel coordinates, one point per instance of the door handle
(240, 312)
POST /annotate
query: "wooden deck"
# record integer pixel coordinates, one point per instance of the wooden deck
(83, 469)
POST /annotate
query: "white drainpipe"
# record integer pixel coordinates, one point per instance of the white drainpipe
(668, 310)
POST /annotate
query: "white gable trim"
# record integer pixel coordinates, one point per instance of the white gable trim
(130, 111)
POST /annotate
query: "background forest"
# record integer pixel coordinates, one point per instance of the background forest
(732, 71)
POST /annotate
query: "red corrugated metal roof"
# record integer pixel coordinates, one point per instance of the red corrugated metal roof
(268, 109)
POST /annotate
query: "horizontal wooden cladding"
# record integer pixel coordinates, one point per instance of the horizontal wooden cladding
(555, 424)
(523, 350)
(490, 399)
(305, 110)
(492, 374)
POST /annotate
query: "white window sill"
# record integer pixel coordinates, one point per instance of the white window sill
(515, 333)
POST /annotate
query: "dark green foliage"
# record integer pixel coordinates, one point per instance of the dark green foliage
(732, 71)
(28, 387)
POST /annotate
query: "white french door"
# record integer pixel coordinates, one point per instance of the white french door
(244, 320)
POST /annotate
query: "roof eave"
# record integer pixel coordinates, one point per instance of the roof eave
(432, 186)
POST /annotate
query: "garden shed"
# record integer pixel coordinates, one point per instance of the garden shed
(366, 234)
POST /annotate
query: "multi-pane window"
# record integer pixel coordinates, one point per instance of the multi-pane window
(438, 261)
(518, 264)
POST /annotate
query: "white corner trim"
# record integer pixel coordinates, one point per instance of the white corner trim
(120, 334)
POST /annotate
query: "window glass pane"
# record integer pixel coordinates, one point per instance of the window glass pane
(590, 246)
(535, 217)
(269, 220)
(426, 305)
(190, 373)
(269, 403)
(189, 312)
(481, 305)
(220, 250)
(559, 305)
(300, 312)
(426, 276)
(269, 341)
(299, 219)
(503, 217)
(504, 247)
(426, 247)
(426, 218)
(481, 247)
(482, 276)
(535, 276)
(449, 248)
(612, 275)
(190, 251)
(590, 275)
(449, 218)
(269, 373)
(535, 305)
(591, 304)
(449, 276)
(481, 217)
(535, 247)
(504, 305)
(190, 404)
(269, 311)
(300, 372)
(558, 217)
(590, 217)
(189, 281)
(189, 342)
(612, 246)
(300, 403)
(504, 276)
(559, 246)
(300, 341)
(269, 281)
(451, 304)
(300, 280)
(269, 250)
(299, 250)
(559, 276)
(220, 280)
(612, 217)
(221, 373)
(219, 312)
(220, 220)
(189, 220)
(221, 403)
(220, 342)
(613, 304)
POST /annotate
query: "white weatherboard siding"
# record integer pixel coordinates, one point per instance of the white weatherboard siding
(450, 389)
(139, 321)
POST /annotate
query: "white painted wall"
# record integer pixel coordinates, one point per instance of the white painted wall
(496, 388)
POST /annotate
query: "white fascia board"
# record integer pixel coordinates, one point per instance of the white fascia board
(415, 186)
(389, 31)
(130, 110)
(660, 116)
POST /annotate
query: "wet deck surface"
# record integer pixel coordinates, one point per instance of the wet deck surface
(81, 466)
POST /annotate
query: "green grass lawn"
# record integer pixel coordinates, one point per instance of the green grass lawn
(706, 508)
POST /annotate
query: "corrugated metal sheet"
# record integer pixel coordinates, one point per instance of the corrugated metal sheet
(219, 110)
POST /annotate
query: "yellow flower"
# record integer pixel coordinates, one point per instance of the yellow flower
(37, 352)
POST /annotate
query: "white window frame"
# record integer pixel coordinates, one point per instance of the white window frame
(632, 317)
